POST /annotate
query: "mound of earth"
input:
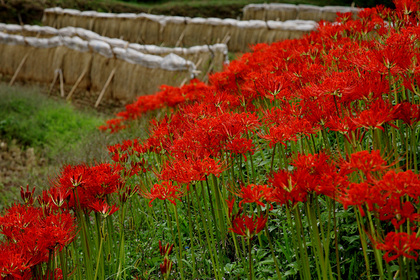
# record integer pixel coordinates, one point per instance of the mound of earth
(31, 11)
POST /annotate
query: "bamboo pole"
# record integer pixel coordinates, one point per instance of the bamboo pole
(105, 87)
(73, 89)
(53, 82)
(18, 69)
(180, 38)
(60, 72)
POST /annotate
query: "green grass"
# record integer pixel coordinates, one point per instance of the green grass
(59, 132)
(34, 120)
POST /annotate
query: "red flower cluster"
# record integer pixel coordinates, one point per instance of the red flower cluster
(168, 96)
(84, 186)
(312, 173)
(163, 191)
(400, 244)
(248, 226)
(30, 237)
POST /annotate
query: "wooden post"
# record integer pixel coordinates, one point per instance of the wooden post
(53, 82)
(18, 69)
(184, 81)
(105, 87)
(60, 73)
(226, 39)
(180, 38)
(77, 82)
(205, 77)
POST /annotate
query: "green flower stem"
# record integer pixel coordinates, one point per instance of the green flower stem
(219, 201)
(377, 253)
(99, 260)
(190, 227)
(213, 214)
(363, 240)
(179, 242)
(251, 272)
(414, 147)
(209, 237)
(63, 262)
(99, 239)
(300, 243)
(316, 246)
(85, 237)
(336, 233)
(270, 244)
(272, 158)
(121, 256)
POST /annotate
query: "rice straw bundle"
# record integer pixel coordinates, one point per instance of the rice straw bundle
(206, 55)
(250, 32)
(165, 30)
(74, 64)
(150, 30)
(89, 18)
(127, 26)
(106, 24)
(88, 64)
(197, 27)
(71, 17)
(173, 31)
(255, 11)
(283, 12)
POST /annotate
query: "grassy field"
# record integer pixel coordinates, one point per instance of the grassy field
(57, 132)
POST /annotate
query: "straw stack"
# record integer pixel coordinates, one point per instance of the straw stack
(214, 56)
(135, 73)
(172, 31)
(283, 12)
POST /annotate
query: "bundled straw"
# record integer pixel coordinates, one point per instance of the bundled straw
(206, 58)
(283, 12)
(177, 31)
(136, 73)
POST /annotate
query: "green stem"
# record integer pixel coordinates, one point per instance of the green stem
(209, 237)
(180, 242)
(251, 273)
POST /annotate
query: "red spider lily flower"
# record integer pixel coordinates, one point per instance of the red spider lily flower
(408, 113)
(104, 208)
(253, 193)
(347, 127)
(187, 170)
(365, 162)
(400, 244)
(57, 231)
(318, 173)
(27, 196)
(248, 226)
(241, 146)
(92, 182)
(165, 250)
(357, 194)
(400, 184)
(31, 236)
(379, 113)
(58, 195)
(14, 262)
(166, 266)
(230, 204)
(16, 219)
(163, 191)
(396, 211)
(286, 188)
